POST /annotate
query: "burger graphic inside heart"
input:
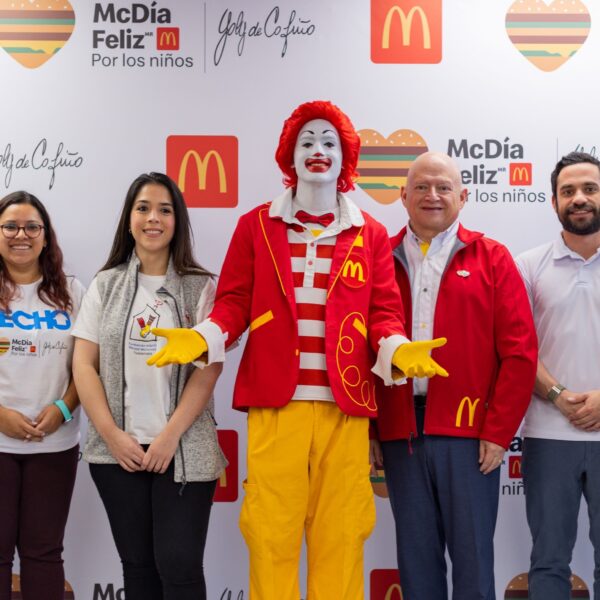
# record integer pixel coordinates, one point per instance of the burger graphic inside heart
(383, 163)
(32, 31)
(548, 35)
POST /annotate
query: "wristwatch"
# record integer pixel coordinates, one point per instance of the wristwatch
(554, 392)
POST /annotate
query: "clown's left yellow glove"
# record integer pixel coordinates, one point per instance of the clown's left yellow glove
(183, 346)
(413, 359)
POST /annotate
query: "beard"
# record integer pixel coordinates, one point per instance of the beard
(583, 227)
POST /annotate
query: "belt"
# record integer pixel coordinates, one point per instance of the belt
(420, 401)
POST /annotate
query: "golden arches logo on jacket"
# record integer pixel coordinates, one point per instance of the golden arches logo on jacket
(33, 33)
(406, 31)
(205, 167)
(548, 35)
(16, 589)
(383, 163)
(227, 484)
(518, 587)
(385, 585)
(471, 408)
(355, 271)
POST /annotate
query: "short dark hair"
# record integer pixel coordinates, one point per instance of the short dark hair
(573, 158)
(182, 240)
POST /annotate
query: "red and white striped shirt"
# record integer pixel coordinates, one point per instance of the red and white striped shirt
(311, 265)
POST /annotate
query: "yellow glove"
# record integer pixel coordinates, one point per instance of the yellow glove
(183, 346)
(413, 359)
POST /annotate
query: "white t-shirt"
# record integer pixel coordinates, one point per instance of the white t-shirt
(147, 389)
(36, 350)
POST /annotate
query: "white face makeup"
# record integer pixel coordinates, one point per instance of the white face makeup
(318, 153)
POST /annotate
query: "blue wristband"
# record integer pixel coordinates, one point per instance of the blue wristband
(64, 409)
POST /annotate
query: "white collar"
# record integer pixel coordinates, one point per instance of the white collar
(350, 214)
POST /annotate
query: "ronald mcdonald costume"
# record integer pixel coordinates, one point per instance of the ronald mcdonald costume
(324, 314)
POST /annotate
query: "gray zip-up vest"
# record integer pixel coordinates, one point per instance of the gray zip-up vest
(199, 457)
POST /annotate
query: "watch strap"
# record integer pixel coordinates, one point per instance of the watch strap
(554, 392)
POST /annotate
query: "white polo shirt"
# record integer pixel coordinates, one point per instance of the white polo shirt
(564, 291)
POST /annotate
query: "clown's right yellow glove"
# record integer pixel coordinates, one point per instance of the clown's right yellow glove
(413, 359)
(183, 346)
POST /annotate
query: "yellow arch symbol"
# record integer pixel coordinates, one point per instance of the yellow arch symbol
(202, 168)
(406, 23)
(472, 407)
(391, 590)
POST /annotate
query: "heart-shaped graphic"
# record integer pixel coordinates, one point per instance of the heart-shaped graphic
(547, 35)
(33, 32)
(383, 163)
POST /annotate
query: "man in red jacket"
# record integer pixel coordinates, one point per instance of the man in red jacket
(312, 278)
(444, 439)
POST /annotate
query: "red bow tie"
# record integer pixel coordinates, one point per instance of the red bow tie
(326, 220)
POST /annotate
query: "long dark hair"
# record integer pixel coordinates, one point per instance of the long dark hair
(182, 241)
(53, 290)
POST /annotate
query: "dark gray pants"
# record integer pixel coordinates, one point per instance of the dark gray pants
(556, 474)
(440, 499)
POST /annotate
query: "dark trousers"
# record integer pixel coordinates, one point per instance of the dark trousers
(440, 499)
(556, 475)
(35, 495)
(159, 533)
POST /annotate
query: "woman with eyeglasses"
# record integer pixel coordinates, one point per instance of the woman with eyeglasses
(152, 444)
(39, 426)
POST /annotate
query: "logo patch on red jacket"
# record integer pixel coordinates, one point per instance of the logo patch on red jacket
(355, 271)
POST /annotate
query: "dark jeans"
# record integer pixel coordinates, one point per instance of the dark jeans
(159, 533)
(35, 495)
(440, 499)
(556, 475)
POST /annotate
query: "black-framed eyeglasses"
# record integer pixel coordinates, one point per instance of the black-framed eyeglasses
(31, 230)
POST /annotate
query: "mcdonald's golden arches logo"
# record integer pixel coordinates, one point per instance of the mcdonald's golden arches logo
(355, 271)
(514, 467)
(520, 174)
(406, 31)
(471, 407)
(385, 585)
(205, 168)
(167, 38)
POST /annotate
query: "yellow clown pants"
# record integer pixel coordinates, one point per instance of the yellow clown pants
(308, 472)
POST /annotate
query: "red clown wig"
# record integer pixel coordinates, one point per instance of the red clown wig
(350, 141)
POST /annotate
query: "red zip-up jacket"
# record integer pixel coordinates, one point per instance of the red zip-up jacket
(491, 354)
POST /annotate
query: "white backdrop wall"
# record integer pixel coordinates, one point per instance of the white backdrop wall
(110, 123)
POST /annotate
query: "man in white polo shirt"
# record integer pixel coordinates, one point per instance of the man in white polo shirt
(561, 457)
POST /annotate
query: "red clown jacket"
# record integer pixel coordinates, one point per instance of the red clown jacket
(483, 310)
(256, 291)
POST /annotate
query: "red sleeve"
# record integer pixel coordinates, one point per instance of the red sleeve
(516, 347)
(386, 314)
(234, 290)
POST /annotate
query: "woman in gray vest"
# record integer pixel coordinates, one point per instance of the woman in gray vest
(152, 444)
